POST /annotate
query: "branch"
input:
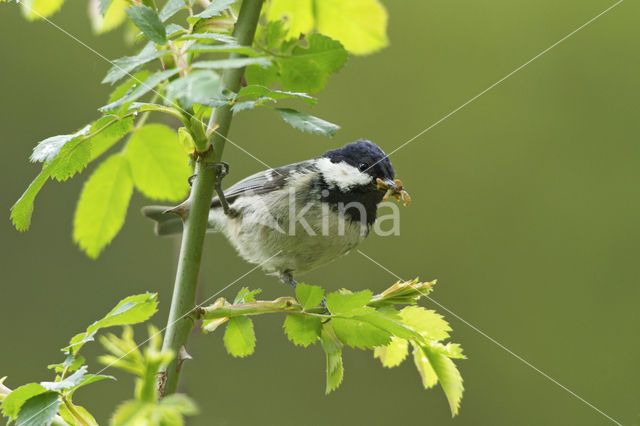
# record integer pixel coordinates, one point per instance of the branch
(179, 324)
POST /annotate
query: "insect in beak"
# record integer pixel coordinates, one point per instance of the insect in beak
(394, 188)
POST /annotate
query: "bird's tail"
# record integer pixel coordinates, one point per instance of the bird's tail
(168, 220)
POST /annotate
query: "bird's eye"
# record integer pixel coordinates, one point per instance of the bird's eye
(363, 166)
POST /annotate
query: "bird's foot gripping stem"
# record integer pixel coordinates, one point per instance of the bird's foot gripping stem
(223, 170)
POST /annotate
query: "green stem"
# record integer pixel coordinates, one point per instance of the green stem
(282, 304)
(179, 324)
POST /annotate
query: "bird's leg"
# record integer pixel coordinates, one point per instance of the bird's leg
(223, 170)
(287, 278)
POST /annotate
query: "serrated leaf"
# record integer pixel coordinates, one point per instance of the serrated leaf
(128, 85)
(12, 402)
(173, 29)
(170, 8)
(359, 333)
(360, 25)
(104, 21)
(103, 205)
(113, 129)
(257, 75)
(200, 87)
(257, 91)
(335, 371)
(307, 69)
(39, 410)
(246, 296)
(159, 167)
(71, 364)
(302, 330)
(67, 383)
(141, 89)
(338, 303)
(125, 65)
(307, 123)
(215, 8)
(427, 374)
(130, 310)
(87, 418)
(239, 337)
(89, 379)
(180, 403)
(49, 148)
(245, 105)
(40, 9)
(448, 376)
(231, 63)
(309, 296)
(148, 21)
(392, 354)
(426, 322)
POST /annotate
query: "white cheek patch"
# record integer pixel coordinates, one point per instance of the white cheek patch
(342, 175)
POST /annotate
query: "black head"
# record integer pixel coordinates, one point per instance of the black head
(366, 156)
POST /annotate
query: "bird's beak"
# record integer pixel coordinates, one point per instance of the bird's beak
(388, 184)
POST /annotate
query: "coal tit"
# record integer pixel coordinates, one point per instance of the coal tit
(293, 219)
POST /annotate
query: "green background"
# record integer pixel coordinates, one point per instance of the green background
(526, 208)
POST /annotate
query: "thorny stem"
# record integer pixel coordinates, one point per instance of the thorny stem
(179, 323)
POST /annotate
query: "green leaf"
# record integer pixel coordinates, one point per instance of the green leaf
(257, 91)
(201, 87)
(186, 141)
(89, 379)
(149, 23)
(426, 322)
(257, 75)
(71, 364)
(125, 65)
(132, 412)
(67, 383)
(246, 296)
(104, 21)
(49, 148)
(103, 205)
(239, 337)
(12, 402)
(74, 158)
(307, 123)
(302, 330)
(39, 410)
(333, 350)
(159, 167)
(111, 129)
(173, 29)
(224, 38)
(141, 89)
(360, 25)
(215, 8)
(40, 9)
(170, 8)
(359, 333)
(232, 63)
(307, 69)
(247, 105)
(448, 376)
(69, 418)
(180, 403)
(223, 48)
(428, 376)
(128, 85)
(309, 296)
(393, 354)
(338, 303)
(130, 310)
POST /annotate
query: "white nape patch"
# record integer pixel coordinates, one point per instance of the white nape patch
(342, 175)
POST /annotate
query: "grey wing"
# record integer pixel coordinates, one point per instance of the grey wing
(263, 182)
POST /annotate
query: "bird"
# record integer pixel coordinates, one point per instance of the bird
(296, 218)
